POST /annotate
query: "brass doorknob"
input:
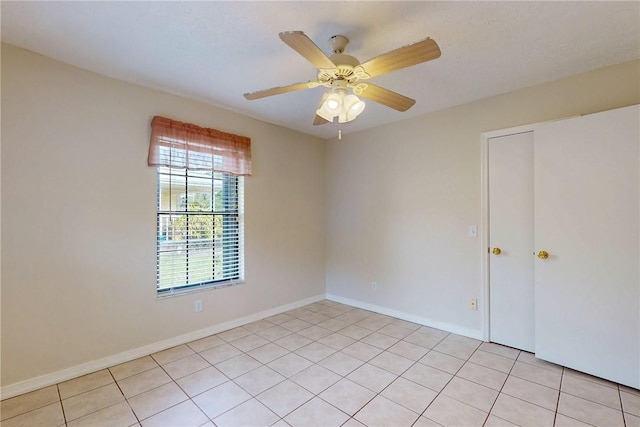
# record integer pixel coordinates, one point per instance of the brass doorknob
(543, 254)
(496, 251)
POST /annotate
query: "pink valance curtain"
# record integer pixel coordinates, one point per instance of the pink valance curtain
(186, 146)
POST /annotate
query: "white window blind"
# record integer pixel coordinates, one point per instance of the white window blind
(200, 232)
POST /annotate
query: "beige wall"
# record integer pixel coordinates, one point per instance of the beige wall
(400, 197)
(78, 224)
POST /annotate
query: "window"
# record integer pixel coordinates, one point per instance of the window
(199, 205)
(199, 229)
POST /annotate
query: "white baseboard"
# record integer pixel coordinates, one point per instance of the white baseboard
(36, 383)
(449, 327)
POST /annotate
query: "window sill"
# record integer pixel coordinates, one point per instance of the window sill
(206, 288)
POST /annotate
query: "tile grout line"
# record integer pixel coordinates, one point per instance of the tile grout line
(367, 362)
(123, 396)
(413, 364)
(4, 420)
(555, 416)
(437, 393)
(161, 385)
(593, 401)
(468, 360)
(397, 375)
(364, 363)
(342, 377)
(417, 361)
(624, 419)
(500, 391)
(286, 378)
(64, 415)
(315, 324)
(452, 376)
(532, 403)
(177, 385)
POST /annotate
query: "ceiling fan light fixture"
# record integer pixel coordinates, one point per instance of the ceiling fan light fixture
(340, 104)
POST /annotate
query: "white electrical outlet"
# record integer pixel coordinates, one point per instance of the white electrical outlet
(473, 303)
(374, 286)
(197, 306)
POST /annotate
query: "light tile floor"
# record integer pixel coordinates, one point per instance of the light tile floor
(328, 364)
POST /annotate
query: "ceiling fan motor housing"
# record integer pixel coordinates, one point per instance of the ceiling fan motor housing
(338, 43)
(344, 64)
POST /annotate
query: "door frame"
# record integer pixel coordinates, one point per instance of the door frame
(484, 219)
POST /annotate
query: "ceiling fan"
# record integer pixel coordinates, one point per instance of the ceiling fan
(341, 72)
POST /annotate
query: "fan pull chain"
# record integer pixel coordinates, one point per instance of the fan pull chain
(339, 133)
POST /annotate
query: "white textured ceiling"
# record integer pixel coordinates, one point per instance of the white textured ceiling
(216, 51)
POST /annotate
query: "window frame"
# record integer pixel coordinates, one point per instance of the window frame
(234, 216)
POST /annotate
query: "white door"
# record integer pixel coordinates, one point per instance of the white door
(587, 292)
(511, 260)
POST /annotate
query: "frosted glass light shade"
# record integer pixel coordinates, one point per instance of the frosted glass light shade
(333, 104)
(353, 105)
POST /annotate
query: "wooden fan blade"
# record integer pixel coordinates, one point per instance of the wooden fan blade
(302, 44)
(406, 56)
(319, 121)
(276, 90)
(387, 97)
